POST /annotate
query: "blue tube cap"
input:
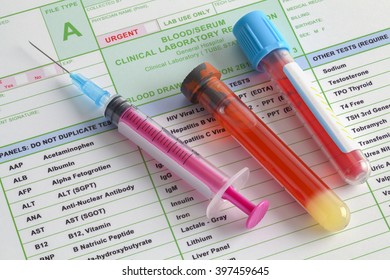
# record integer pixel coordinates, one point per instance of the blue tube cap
(257, 36)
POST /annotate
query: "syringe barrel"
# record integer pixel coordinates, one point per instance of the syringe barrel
(203, 85)
(318, 118)
(164, 147)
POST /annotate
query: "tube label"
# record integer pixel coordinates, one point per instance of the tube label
(320, 108)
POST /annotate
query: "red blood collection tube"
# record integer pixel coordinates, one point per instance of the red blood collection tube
(203, 85)
(267, 51)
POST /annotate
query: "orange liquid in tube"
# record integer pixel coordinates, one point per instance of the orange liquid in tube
(267, 51)
(203, 86)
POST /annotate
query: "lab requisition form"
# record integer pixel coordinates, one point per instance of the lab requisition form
(73, 188)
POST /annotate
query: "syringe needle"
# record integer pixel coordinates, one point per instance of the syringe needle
(49, 57)
(96, 93)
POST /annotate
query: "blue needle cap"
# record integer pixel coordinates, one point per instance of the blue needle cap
(90, 89)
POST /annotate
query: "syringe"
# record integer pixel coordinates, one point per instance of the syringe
(170, 151)
(267, 51)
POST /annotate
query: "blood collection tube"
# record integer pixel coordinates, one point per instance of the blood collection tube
(203, 86)
(267, 51)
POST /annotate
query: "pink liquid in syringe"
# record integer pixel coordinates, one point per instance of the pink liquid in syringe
(174, 148)
(187, 159)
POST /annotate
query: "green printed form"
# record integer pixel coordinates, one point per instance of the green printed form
(69, 28)
(73, 187)
(152, 67)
